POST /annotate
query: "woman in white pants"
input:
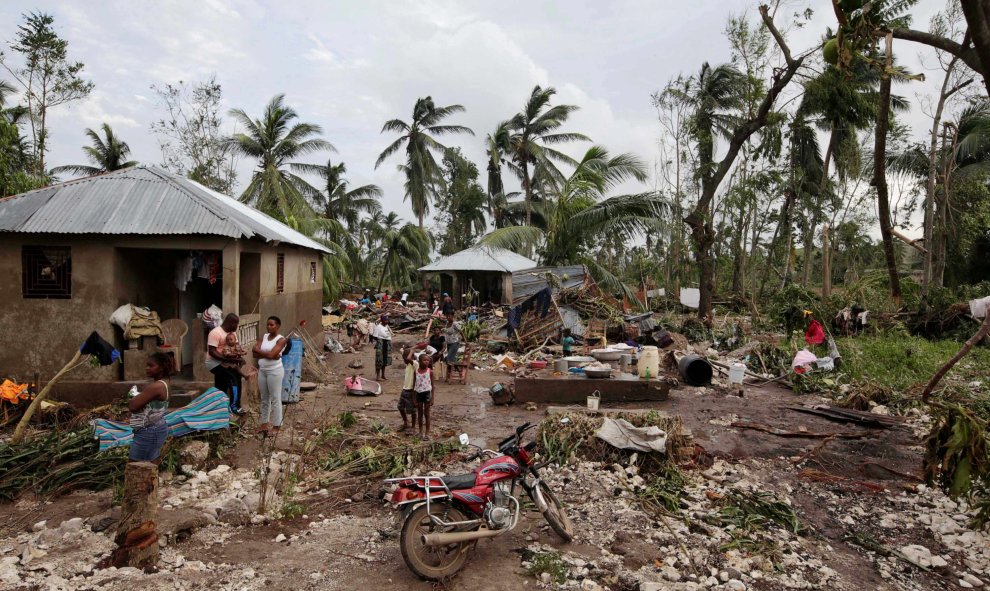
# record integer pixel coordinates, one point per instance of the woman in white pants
(268, 351)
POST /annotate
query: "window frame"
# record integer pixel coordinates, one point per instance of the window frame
(33, 285)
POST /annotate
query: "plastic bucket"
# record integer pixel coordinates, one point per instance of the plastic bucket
(737, 371)
(560, 365)
(593, 400)
(695, 370)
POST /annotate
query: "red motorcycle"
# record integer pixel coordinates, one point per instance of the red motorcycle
(443, 517)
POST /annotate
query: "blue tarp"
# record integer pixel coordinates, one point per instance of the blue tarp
(208, 412)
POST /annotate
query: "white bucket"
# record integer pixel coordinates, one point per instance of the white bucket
(593, 400)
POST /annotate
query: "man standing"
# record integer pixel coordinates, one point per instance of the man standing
(225, 379)
(452, 336)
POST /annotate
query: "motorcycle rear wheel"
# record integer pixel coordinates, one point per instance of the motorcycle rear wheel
(432, 563)
(556, 513)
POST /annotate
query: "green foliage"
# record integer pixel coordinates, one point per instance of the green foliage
(461, 206)
(548, 562)
(956, 450)
(424, 178)
(106, 154)
(907, 362)
(273, 140)
(347, 419)
(666, 488)
(471, 330)
(46, 76)
(291, 509)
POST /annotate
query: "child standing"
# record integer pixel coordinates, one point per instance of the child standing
(407, 398)
(567, 343)
(423, 385)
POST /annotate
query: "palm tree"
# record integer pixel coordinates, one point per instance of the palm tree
(107, 153)
(337, 200)
(530, 132)
(423, 174)
(578, 214)
(274, 140)
(403, 250)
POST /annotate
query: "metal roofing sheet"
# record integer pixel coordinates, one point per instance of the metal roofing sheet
(527, 282)
(481, 258)
(140, 200)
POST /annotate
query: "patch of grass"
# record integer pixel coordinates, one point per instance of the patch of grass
(291, 509)
(347, 419)
(548, 562)
(906, 362)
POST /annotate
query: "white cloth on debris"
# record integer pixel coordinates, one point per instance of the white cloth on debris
(122, 316)
(978, 307)
(623, 435)
(803, 357)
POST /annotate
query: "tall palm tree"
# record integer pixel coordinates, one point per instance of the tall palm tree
(403, 250)
(423, 174)
(107, 153)
(337, 200)
(274, 140)
(531, 132)
(578, 215)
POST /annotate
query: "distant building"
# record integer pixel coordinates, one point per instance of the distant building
(484, 269)
(74, 252)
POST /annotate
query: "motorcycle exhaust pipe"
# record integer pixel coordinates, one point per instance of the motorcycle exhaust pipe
(458, 537)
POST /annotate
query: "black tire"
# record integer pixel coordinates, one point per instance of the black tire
(556, 513)
(431, 563)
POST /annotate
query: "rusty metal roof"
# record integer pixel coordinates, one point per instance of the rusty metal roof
(142, 200)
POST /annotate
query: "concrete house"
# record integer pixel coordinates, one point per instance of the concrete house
(74, 252)
(484, 269)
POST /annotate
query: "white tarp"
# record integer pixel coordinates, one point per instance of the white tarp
(978, 308)
(623, 435)
(691, 297)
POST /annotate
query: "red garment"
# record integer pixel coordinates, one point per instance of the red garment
(815, 334)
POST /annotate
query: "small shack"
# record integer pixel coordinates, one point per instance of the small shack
(484, 271)
(74, 252)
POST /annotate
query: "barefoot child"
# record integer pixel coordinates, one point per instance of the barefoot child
(407, 398)
(423, 384)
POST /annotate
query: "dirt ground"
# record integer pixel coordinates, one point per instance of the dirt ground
(352, 544)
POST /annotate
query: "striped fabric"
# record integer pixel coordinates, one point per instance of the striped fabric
(208, 412)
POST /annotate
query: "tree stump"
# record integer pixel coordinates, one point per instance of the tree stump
(137, 541)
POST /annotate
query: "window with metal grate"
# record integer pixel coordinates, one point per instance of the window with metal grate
(280, 274)
(312, 272)
(46, 272)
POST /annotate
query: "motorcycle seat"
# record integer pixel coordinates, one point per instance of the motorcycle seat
(459, 481)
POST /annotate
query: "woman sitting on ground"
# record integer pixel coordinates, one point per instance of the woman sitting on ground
(148, 410)
(268, 351)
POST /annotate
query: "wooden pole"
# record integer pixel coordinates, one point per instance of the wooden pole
(137, 541)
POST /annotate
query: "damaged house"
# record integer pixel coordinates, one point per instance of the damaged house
(484, 271)
(76, 251)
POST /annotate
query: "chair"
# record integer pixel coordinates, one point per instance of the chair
(462, 366)
(174, 329)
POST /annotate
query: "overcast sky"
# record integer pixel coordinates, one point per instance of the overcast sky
(349, 66)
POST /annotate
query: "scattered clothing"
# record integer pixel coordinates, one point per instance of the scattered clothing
(815, 335)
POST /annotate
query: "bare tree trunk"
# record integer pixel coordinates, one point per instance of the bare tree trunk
(137, 541)
(967, 346)
(977, 13)
(943, 96)
(880, 175)
(826, 263)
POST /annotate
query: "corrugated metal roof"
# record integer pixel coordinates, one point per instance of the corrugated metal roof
(527, 282)
(143, 200)
(481, 258)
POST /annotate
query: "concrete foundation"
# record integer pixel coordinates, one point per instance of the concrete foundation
(577, 388)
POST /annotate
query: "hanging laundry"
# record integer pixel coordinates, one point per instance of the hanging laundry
(183, 273)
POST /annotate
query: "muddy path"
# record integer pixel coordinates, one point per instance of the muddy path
(841, 489)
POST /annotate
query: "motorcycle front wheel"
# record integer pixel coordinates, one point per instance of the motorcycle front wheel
(555, 512)
(432, 563)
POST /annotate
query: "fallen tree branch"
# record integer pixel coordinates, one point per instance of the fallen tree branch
(967, 346)
(808, 434)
